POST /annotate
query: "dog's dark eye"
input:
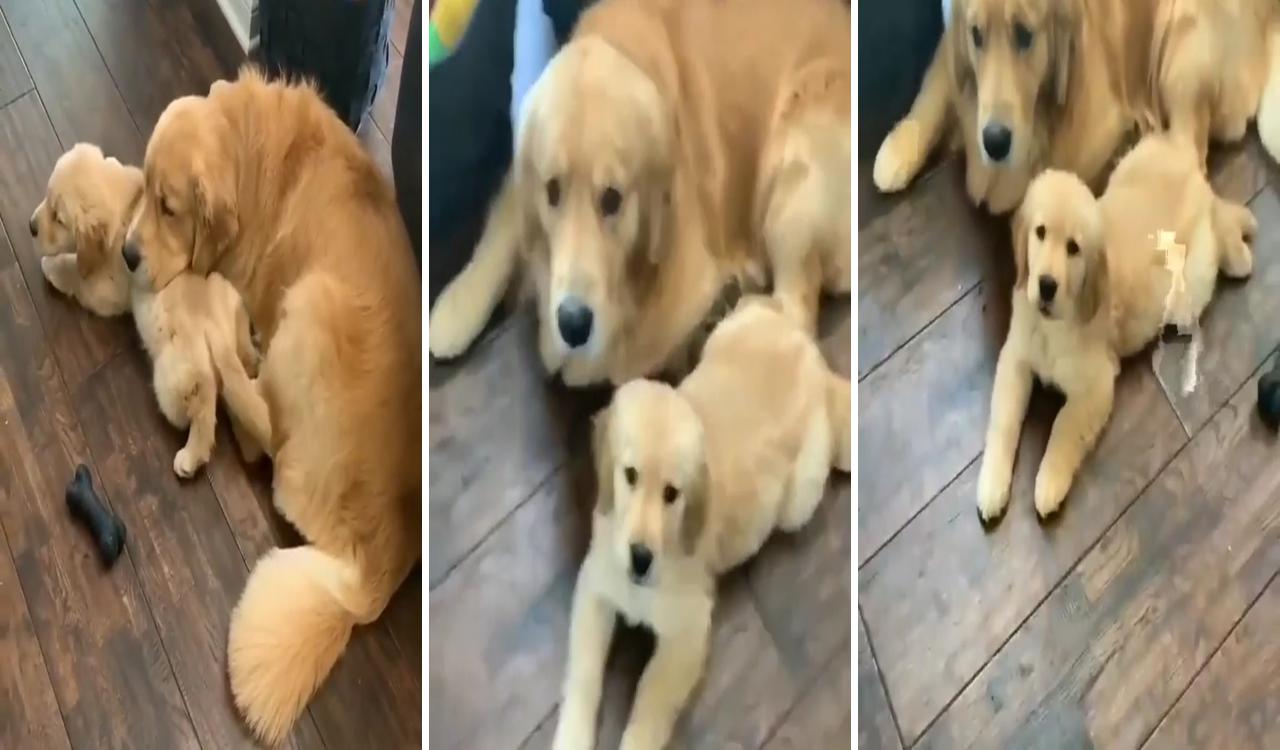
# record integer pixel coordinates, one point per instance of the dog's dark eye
(553, 192)
(1072, 247)
(610, 201)
(1022, 37)
(629, 473)
(977, 36)
(1040, 232)
(669, 494)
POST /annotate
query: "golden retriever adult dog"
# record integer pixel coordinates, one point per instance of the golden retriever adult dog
(262, 183)
(80, 226)
(1093, 287)
(692, 480)
(670, 148)
(1034, 84)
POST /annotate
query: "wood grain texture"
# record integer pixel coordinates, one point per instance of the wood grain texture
(943, 596)
(1116, 643)
(822, 716)
(14, 79)
(876, 727)
(378, 146)
(1235, 701)
(384, 104)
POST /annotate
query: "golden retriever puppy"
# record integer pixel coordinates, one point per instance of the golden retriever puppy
(1092, 288)
(262, 183)
(1032, 84)
(692, 480)
(671, 148)
(80, 226)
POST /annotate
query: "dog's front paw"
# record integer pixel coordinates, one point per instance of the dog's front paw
(186, 463)
(993, 495)
(640, 737)
(1051, 490)
(453, 325)
(573, 734)
(899, 157)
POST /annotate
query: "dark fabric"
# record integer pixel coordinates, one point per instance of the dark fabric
(563, 14)
(896, 42)
(406, 137)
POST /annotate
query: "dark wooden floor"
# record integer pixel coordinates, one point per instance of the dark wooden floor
(511, 489)
(1147, 616)
(134, 657)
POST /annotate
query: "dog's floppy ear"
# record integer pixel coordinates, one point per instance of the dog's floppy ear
(694, 519)
(1019, 236)
(213, 185)
(1064, 21)
(955, 35)
(656, 241)
(1092, 292)
(603, 456)
(91, 250)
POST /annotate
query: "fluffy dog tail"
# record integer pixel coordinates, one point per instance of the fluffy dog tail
(839, 408)
(292, 623)
(1269, 107)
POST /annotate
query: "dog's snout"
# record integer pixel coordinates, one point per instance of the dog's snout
(131, 256)
(34, 226)
(1048, 288)
(574, 320)
(641, 560)
(997, 141)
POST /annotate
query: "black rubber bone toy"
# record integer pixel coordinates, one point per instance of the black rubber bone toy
(108, 531)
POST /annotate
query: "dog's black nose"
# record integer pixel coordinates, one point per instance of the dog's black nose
(574, 321)
(996, 141)
(641, 559)
(1048, 288)
(131, 256)
(33, 226)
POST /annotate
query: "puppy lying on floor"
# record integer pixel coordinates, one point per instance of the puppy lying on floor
(1093, 287)
(80, 228)
(691, 482)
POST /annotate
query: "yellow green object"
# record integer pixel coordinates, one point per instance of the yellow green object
(449, 20)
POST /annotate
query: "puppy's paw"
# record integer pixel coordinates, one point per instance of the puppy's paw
(1051, 490)
(573, 734)
(993, 495)
(899, 157)
(186, 463)
(640, 737)
(453, 324)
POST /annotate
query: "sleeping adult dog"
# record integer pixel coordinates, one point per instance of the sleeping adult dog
(262, 183)
(671, 147)
(1035, 84)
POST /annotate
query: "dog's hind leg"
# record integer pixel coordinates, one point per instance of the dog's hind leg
(1235, 227)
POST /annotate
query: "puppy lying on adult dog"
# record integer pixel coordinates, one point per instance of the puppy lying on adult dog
(670, 148)
(1026, 85)
(80, 226)
(1093, 286)
(263, 184)
(692, 480)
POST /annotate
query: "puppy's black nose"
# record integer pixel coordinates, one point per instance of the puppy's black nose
(574, 321)
(641, 559)
(996, 141)
(33, 226)
(131, 256)
(1048, 288)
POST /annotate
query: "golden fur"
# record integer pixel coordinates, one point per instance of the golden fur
(263, 184)
(80, 227)
(1071, 80)
(698, 476)
(670, 147)
(1111, 282)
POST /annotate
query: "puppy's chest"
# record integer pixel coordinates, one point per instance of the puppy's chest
(1062, 354)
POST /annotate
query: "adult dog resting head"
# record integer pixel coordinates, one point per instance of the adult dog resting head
(262, 183)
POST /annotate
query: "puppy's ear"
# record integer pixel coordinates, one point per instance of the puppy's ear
(1064, 21)
(955, 36)
(603, 459)
(216, 223)
(656, 241)
(1019, 237)
(694, 520)
(91, 248)
(1093, 291)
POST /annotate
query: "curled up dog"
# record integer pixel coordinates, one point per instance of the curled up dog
(691, 481)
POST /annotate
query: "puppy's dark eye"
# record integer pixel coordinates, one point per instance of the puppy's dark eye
(553, 192)
(629, 473)
(610, 201)
(1040, 232)
(1022, 37)
(669, 494)
(1072, 247)
(977, 36)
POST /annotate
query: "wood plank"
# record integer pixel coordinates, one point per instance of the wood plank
(822, 717)
(377, 145)
(1237, 326)
(921, 417)
(400, 24)
(384, 104)
(947, 594)
(1115, 644)
(75, 87)
(14, 80)
(497, 432)
(132, 35)
(404, 621)
(374, 696)
(876, 728)
(106, 662)
(1235, 701)
(244, 492)
(919, 257)
(28, 149)
(186, 556)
